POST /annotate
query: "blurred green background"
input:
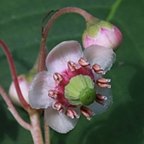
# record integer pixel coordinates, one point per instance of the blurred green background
(20, 28)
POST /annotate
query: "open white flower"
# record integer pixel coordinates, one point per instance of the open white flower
(72, 85)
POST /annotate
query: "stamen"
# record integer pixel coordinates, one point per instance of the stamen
(100, 101)
(87, 112)
(101, 97)
(72, 113)
(83, 62)
(98, 69)
(52, 94)
(102, 82)
(72, 66)
(104, 85)
(57, 77)
(57, 106)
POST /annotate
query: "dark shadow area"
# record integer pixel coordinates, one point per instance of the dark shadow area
(20, 60)
(126, 123)
(7, 126)
(57, 138)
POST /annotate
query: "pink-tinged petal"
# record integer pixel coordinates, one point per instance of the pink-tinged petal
(101, 33)
(105, 37)
(104, 57)
(114, 37)
(98, 108)
(38, 94)
(59, 121)
(58, 57)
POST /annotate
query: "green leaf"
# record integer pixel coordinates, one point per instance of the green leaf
(20, 27)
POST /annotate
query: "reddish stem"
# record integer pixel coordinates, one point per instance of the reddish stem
(13, 111)
(55, 16)
(14, 74)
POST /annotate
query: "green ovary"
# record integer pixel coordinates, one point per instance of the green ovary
(80, 90)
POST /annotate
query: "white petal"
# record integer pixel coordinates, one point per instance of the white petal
(38, 94)
(100, 55)
(58, 57)
(59, 121)
(99, 108)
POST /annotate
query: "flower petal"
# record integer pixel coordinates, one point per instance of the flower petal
(100, 55)
(38, 94)
(59, 121)
(58, 57)
(100, 108)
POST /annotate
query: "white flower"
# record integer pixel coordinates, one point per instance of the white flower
(72, 85)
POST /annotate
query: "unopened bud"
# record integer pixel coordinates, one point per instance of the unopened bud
(24, 81)
(24, 86)
(101, 33)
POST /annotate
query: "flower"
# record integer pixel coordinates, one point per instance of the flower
(73, 84)
(101, 33)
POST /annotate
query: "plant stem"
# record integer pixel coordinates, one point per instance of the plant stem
(36, 130)
(13, 111)
(54, 17)
(47, 133)
(34, 127)
(14, 74)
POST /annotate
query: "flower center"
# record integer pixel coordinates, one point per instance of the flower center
(71, 84)
(80, 90)
(75, 88)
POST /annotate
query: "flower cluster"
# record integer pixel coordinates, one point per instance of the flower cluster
(73, 84)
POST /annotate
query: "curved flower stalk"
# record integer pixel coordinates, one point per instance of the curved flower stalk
(34, 125)
(73, 84)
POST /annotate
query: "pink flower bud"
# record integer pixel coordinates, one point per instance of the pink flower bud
(24, 86)
(101, 33)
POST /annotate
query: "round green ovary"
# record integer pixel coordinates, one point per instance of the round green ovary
(80, 90)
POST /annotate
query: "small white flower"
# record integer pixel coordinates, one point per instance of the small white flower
(72, 85)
